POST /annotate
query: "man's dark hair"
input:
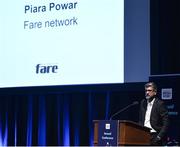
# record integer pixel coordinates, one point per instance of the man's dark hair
(151, 84)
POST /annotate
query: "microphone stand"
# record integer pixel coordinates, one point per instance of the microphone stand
(134, 103)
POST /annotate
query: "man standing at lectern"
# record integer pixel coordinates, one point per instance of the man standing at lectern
(153, 114)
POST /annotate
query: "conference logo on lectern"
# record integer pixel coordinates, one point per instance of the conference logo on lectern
(107, 126)
(46, 68)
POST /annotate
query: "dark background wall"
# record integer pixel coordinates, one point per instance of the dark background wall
(63, 117)
(165, 36)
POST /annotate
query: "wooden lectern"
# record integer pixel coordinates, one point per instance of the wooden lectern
(128, 133)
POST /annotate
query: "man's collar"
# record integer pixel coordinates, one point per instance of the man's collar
(151, 99)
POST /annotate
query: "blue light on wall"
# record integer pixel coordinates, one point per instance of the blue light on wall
(29, 122)
(66, 129)
(90, 118)
(42, 122)
(4, 133)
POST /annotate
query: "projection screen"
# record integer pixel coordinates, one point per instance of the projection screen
(61, 42)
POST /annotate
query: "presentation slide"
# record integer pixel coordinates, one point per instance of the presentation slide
(61, 42)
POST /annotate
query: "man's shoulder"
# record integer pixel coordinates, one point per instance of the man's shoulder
(159, 102)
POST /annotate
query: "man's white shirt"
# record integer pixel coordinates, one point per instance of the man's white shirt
(148, 114)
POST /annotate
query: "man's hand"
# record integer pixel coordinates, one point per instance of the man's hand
(156, 140)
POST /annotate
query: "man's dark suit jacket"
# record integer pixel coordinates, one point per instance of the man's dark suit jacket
(159, 116)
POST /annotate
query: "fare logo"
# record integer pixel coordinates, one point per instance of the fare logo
(46, 69)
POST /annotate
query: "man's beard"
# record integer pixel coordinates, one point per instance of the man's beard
(148, 97)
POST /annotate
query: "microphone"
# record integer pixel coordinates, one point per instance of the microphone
(121, 110)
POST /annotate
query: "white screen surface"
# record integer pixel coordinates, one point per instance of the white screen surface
(61, 42)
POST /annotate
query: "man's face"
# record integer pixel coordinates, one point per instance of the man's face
(149, 92)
